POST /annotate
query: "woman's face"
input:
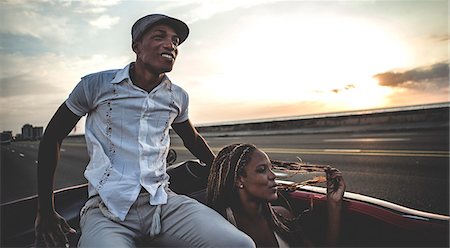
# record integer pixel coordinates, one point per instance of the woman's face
(259, 180)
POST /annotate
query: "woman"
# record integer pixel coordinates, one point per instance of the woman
(241, 186)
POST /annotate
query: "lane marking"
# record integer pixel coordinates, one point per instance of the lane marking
(367, 140)
(342, 150)
(226, 138)
(352, 152)
(383, 134)
(390, 151)
(358, 152)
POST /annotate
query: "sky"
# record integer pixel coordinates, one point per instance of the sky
(243, 60)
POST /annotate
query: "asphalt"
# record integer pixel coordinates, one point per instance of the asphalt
(409, 167)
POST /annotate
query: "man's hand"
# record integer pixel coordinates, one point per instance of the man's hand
(51, 230)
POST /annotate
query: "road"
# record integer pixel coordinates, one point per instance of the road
(408, 168)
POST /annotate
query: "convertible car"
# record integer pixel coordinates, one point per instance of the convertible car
(366, 221)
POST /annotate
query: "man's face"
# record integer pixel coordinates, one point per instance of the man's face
(157, 49)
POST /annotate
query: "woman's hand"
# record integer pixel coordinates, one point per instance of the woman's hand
(335, 186)
(335, 193)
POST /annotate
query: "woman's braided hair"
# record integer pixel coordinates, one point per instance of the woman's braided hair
(222, 192)
(226, 167)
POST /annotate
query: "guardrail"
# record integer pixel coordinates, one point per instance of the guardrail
(393, 119)
(402, 118)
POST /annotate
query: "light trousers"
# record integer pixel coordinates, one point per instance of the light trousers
(184, 221)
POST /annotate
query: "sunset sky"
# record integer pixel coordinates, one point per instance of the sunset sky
(243, 59)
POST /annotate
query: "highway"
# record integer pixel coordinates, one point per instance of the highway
(410, 168)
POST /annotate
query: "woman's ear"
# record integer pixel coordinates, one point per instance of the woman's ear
(240, 182)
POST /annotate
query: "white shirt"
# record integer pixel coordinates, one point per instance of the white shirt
(127, 135)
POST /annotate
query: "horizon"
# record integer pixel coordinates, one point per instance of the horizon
(249, 60)
(285, 118)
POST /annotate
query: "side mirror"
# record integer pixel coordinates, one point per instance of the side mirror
(171, 156)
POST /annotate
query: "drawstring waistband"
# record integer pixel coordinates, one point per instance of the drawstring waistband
(94, 201)
(105, 211)
(155, 228)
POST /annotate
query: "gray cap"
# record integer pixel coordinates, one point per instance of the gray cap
(146, 22)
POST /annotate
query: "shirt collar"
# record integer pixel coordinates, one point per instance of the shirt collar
(122, 75)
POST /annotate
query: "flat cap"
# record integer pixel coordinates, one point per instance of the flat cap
(146, 22)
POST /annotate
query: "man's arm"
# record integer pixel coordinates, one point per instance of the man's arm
(50, 226)
(194, 142)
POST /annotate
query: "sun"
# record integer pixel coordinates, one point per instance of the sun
(306, 60)
(364, 95)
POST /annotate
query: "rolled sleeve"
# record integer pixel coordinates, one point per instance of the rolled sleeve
(183, 115)
(77, 101)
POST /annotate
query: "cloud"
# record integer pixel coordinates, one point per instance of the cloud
(54, 21)
(203, 10)
(94, 6)
(203, 113)
(23, 44)
(49, 73)
(25, 84)
(32, 87)
(444, 37)
(435, 76)
(104, 22)
(347, 87)
(28, 22)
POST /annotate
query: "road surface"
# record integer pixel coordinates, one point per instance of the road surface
(409, 168)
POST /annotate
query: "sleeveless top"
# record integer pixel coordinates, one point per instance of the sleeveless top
(230, 217)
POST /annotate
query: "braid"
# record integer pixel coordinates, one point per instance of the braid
(216, 176)
(221, 190)
(225, 171)
(240, 163)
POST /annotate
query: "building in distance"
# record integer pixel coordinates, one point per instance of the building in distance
(31, 133)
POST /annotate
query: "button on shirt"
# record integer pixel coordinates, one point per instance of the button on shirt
(127, 135)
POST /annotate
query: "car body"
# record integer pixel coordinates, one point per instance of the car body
(366, 221)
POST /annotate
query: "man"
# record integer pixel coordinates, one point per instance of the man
(127, 136)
